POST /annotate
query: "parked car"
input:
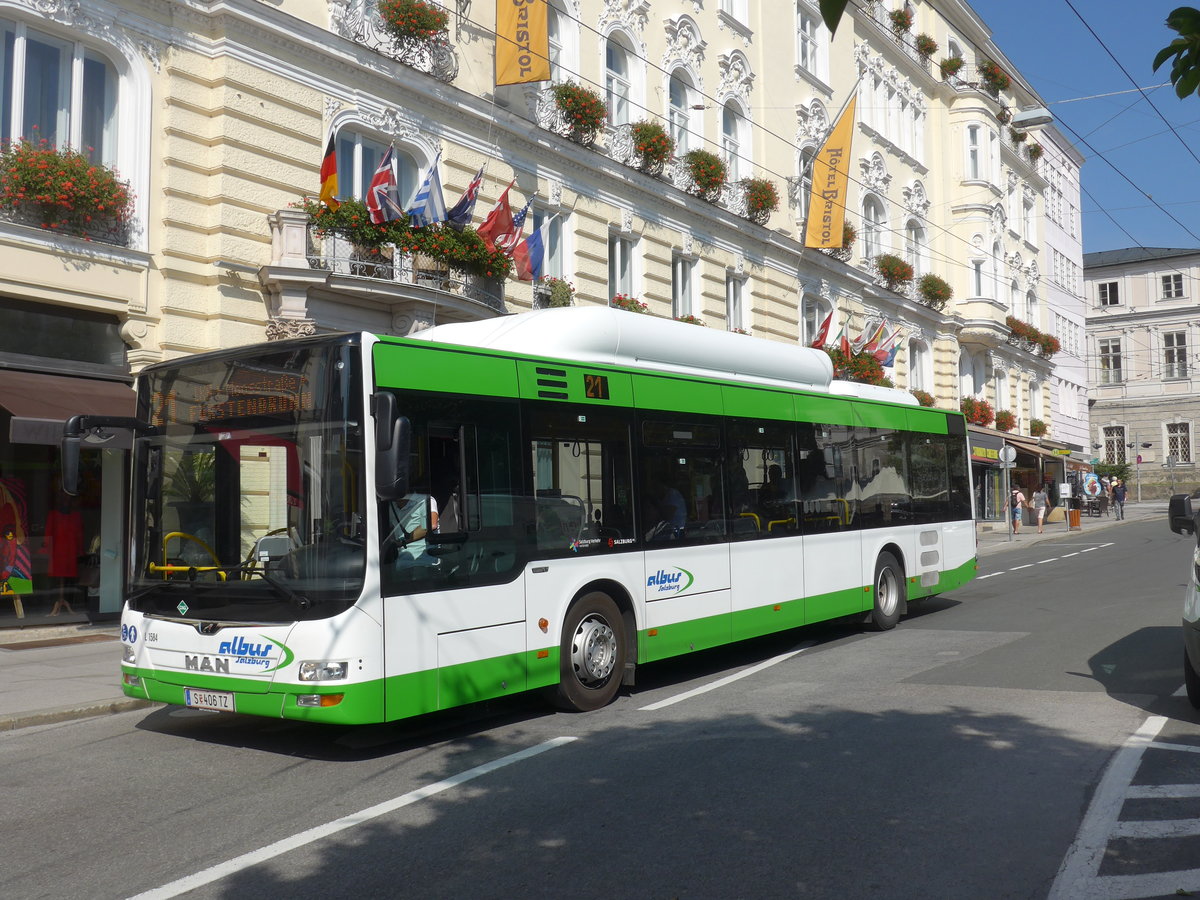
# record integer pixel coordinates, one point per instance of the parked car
(1182, 512)
(1191, 633)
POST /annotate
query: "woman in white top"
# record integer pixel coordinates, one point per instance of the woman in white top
(1040, 503)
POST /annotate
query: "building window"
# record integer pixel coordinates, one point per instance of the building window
(807, 155)
(58, 91)
(1179, 441)
(554, 261)
(914, 246)
(358, 157)
(977, 278)
(918, 363)
(1028, 222)
(682, 268)
(873, 225)
(679, 116)
(616, 82)
(1001, 389)
(1114, 444)
(974, 168)
(1108, 293)
(555, 38)
(1110, 361)
(731, 144)
(620, 265)
(1175, 354)
(735, 313)
(808, 41)
(1031, 308)
(1172, 286)
(1035, 400)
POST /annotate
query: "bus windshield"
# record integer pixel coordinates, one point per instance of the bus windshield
(251, 489)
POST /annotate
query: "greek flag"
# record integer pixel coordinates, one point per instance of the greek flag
(428, 206)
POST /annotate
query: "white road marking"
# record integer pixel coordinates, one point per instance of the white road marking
(1088, 549)
(1078, 876)
(269, 852)
(729, 679)
(1026, 566)
(993, 575)
(1042, 562)
(1065, 555)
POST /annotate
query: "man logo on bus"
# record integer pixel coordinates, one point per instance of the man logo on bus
(675, 582)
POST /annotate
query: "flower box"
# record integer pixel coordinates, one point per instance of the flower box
(629, 304)
(926, 46)
(934, 291)
(762, 199)
(707, 172)
(1037, 428)
(993, 77)
(895, 272)
(690, 320)
(557, 292)
(951, 66)
(62, 190)
(1005, 420)
(652, 146)
(978, 412)
(582, 108)
(901, 19)
(413, 20)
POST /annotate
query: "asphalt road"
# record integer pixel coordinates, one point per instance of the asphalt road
(959, 755)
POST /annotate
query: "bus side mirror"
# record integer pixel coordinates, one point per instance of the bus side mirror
(393, 442)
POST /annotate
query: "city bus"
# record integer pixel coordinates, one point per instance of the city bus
(356, 528)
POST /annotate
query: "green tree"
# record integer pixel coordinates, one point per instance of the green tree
(1185, 70)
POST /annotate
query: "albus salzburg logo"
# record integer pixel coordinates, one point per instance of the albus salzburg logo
(669, 581)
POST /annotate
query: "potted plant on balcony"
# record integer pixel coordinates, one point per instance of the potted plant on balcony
(1035, 152)
(62, 190)
(926, 46)
(934, 291)
(1048, 344)
(582, 108)
(951, 66)
(413, 20)
(762, 199)
(1004, 115)
(689, 319)
(707, 172)
(901, 19)
(558, 292)
(860, 367)
(1037, 428)
(978, 412)
(849, 236)
(1005, 420)
(1018, 137)
(629, 304)
(652, 146)
(923, 397)
(993, 77)
(895, 272)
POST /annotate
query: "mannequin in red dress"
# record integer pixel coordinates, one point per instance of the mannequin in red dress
(64, 530)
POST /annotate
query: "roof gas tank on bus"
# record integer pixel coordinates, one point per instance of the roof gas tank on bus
(616, 337)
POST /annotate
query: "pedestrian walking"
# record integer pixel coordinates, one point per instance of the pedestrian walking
(1018, 505)
(1040, 503)
(1118, 496)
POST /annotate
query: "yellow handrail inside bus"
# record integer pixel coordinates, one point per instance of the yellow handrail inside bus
(166, 568)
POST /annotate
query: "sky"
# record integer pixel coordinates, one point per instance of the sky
(1120, 136)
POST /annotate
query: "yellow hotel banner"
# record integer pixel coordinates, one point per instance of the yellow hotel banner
(830, 179)
(522, 42)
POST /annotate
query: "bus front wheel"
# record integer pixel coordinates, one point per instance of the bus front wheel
(592, 654)
(889, 593)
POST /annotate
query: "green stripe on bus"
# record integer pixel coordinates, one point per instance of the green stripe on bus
(575, 383)
(682, 395)
(683, 637)
(824, 410)
(759, 403)
(932, 421)
(459, 371)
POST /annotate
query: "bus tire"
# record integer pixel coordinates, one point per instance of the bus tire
(889, 593)
(591, 654)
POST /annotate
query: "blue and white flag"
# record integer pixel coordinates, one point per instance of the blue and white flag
(428, 206)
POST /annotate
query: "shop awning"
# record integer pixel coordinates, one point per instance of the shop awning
(1032, 446)
(40, 403)
(985, 448)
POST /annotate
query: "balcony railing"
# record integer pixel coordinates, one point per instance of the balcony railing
(338, 255)
(359, 20)
(119, 234)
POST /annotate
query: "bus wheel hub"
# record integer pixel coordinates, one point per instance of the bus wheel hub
(593, 651)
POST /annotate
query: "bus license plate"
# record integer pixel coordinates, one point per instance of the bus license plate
(221, 701)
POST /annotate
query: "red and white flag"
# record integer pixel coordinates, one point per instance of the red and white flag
(498, 226)
(823, 331)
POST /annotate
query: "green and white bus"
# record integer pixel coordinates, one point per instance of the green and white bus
(353, 528)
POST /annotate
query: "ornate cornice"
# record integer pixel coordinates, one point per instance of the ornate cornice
(737, 79)
(684, 46)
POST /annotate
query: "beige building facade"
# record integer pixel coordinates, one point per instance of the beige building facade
(219, 115)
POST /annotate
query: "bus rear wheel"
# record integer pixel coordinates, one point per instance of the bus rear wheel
(591, 654)
(889, 593)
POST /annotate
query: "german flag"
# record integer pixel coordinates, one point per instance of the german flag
(329, 184)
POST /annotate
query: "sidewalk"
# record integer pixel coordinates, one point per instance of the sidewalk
(993, 538)
(53, 673)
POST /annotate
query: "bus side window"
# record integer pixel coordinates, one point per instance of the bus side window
(825, 482)
(761, 474)
(682, 481)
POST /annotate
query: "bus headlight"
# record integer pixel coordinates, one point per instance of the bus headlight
(127, 655)
(323, 670)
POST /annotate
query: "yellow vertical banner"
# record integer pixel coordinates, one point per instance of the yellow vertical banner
(522, 42)
(830, 180)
